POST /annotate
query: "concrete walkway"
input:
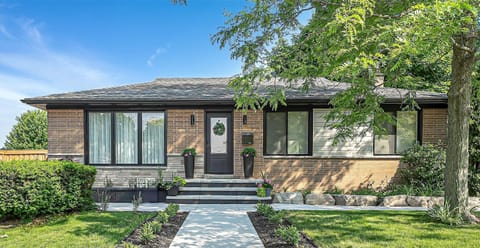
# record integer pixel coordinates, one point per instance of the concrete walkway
(217, 226)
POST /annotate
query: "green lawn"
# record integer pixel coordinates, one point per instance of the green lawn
(86, 229)
(381, 229)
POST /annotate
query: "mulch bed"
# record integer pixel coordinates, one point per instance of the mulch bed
(164, 238)
(266, 232)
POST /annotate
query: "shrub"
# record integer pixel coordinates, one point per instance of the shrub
(156, 226)
(425, 166)
(146, 233)
(289, 234)
(162, 217)
(276, 217)
(172, 209)
(265, 209)
(33, 188)
(261, 192)
(474, 183)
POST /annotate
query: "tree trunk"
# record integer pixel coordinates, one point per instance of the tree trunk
(456, 171)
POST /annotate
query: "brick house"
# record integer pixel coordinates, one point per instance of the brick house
(135, 130)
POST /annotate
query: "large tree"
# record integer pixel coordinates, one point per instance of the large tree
(352, 40)
(30, 131)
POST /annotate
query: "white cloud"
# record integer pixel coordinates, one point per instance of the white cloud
(157, 52)
(4, 32)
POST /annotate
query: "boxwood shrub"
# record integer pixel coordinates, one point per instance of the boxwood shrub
(32, 188)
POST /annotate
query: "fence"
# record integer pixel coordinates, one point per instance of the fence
(7, 155)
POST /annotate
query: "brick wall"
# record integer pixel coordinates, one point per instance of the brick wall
(65, 134)
(182, 134)
(434, 125)
(320, 175)
(254, 125)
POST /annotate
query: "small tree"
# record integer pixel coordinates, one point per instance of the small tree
(30, 132)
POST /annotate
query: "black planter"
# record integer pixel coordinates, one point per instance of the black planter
(126, 194)
(248, 166)
(173, 191)
(189, 164)
(162, 195)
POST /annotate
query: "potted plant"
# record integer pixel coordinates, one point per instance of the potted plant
(264, 189)
(162, 187)
(174, 186)
(248, 155)
(189, 161)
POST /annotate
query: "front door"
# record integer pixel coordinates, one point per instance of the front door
(219, 159)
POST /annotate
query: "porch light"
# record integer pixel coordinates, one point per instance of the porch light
(192, 119)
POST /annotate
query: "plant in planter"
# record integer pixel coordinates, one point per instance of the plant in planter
(248, 155)
(174, 186)
(265, 188)
(189, 161)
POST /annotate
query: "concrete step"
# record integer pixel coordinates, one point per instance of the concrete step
(217, 199)
(218, 191)
(222, 182)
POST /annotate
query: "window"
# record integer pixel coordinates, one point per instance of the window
(126, 138)
(287, 133)
(399, 137)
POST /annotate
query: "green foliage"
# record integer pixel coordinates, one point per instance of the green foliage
(265, 209)
(445, 214)
(163, 217)
(172, 209)
(276, 218)
(146, 233)
(128, 245)
(261, 192)
(156, 226)
(249, 151)
(189, 152)
(289, 234)
(425, 166)
(33, 188)
(179, 181)
(30, 132)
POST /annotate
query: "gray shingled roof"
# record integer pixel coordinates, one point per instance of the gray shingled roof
(208, 90)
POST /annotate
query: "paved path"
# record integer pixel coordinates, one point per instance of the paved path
(217, 226)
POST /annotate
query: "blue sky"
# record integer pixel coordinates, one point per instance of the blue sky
(58, 46)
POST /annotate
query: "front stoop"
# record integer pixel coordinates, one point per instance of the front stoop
(219, 191)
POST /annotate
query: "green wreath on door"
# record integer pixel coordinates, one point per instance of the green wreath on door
(219, 128)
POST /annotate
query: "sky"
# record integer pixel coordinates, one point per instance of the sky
(59, 46)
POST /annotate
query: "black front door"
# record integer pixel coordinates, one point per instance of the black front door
(219, 159)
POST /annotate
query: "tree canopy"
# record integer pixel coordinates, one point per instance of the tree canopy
(415, 44)
(30, 131)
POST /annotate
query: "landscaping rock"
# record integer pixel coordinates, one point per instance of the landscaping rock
(288, 197)
(474, 202)
(355, 200)
(395, 201)
(319, 199)
(424, 201)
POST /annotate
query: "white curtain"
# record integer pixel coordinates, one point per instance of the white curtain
(99, 136)
(126, 138)
(297, 132)
(153, 126)
(406, 130)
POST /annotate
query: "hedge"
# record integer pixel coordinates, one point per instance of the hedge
(33, 188)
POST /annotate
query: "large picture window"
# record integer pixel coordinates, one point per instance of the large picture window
(126, 138)
(287, 133)
(399, 137)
